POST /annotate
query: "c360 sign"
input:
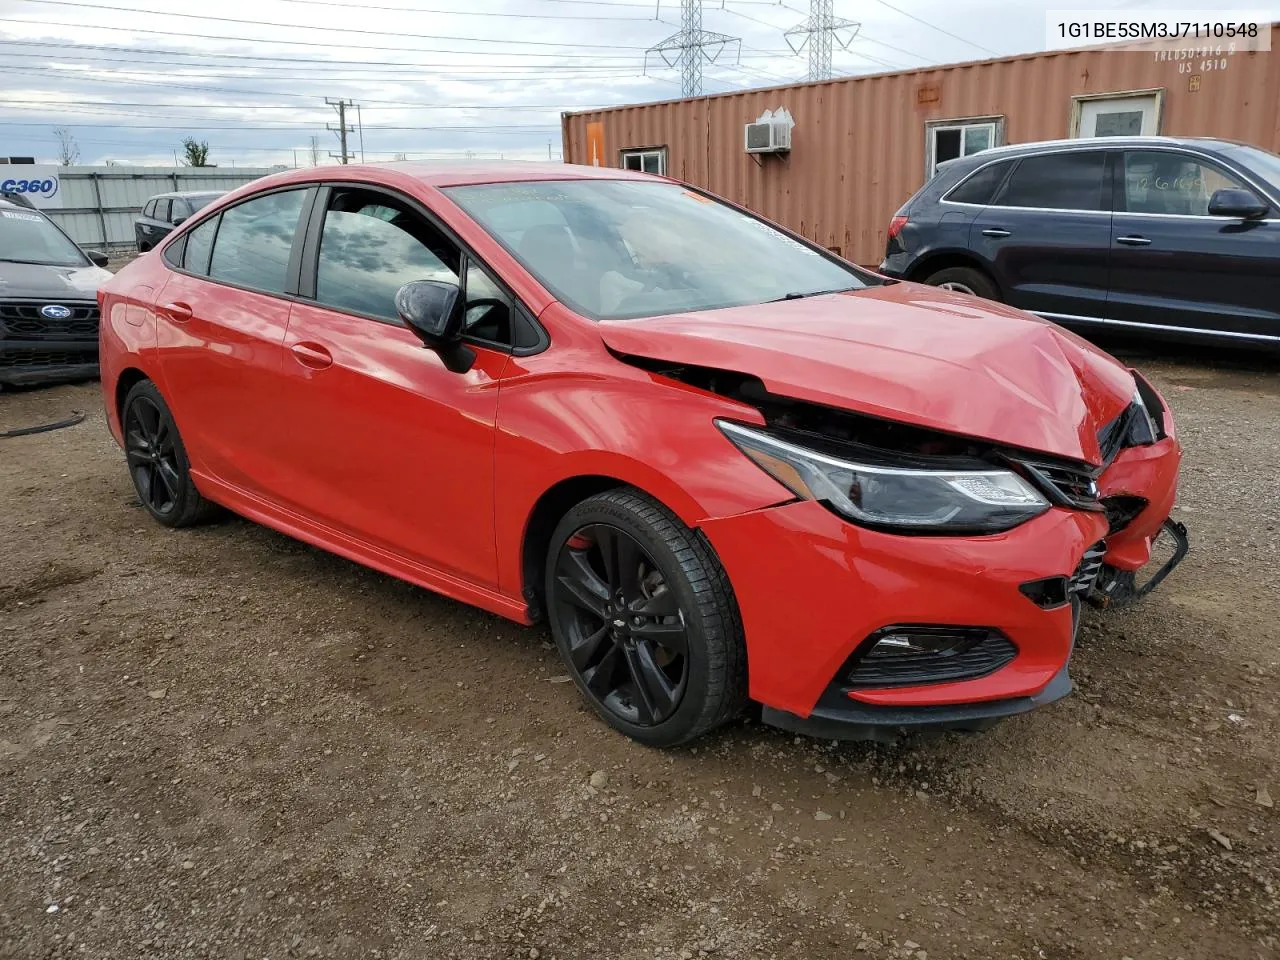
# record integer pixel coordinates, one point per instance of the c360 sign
(37, 187)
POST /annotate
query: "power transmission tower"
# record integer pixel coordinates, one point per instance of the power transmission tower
(817, 33)
(341, 129)
(691, 47)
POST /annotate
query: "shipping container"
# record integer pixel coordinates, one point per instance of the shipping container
(860, 146)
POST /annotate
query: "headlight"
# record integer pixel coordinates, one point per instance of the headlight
(1144, 429)
(900, 498)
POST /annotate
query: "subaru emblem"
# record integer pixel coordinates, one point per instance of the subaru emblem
(55, 311)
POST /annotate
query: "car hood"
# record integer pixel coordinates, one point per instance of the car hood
(905, 352)
(37, 281)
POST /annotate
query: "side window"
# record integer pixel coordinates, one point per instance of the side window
(370, 247)
(1158, 181)
(254, 241)
(174, 252)
(162, 210)
(150, 209)
(199, 246)
(490, 312)
(179, 211)
(979, 188)
(1057, 181)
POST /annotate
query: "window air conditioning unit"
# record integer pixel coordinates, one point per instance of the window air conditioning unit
(770, 133)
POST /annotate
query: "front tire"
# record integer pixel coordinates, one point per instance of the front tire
(645, 619)
(965, 280)
(157, 459)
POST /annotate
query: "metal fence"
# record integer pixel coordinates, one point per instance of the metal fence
(97, 205)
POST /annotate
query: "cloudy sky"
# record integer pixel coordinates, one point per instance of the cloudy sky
(434, 78)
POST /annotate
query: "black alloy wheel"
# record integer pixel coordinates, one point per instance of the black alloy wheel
(625, 629)
(644, 618)
(157, 460)
(152, 456)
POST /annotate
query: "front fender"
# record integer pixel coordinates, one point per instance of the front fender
(557, 423)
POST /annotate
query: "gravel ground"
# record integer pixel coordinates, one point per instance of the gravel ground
(223, 743)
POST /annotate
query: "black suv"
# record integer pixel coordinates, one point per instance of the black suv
(165, 211)
(1175, 237)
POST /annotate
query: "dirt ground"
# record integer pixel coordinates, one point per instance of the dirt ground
(223, 743)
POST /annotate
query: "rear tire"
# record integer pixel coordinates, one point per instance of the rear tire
(157, 460)
(965, 280)
(645, 619)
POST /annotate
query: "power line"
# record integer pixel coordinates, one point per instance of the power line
(384, 104)
(416, 66)
(469, 13)
(931, 26)
(304, 26)
(301, 43)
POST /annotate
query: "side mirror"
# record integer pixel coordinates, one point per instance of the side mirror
(434, 310)
(1237, 204)
(179, 219)
(97, 258)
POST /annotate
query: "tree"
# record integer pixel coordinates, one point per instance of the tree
(197, 153)
(68, 149)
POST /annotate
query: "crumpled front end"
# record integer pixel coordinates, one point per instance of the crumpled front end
(860, 633)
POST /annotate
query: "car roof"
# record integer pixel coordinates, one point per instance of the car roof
(187, 193)
(7, 204)
(456, 174)
(1085, 143)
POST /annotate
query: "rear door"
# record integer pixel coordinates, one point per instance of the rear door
(1047, 234)
(223, 316)
(1174, 265)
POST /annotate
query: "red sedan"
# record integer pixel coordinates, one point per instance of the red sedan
(721, 463)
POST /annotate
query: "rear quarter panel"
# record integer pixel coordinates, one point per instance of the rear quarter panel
(127, 330)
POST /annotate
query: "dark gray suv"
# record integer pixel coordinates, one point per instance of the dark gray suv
(163, 212)
(1172, 237)
(48, 300)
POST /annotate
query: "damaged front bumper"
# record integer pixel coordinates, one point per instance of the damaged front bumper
(819, 596)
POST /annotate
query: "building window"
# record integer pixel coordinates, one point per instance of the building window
(1117, 115)
(651, 160)
(948, 139)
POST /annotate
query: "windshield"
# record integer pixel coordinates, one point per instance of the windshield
(619, 249)
(27, 237)
(1259, 162)
(202, 200)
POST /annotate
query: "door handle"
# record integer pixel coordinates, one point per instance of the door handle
(312, 355)
(1133, 241)
(995, 232)
(177, 311)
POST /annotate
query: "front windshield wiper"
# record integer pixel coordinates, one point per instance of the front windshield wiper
(796, 295)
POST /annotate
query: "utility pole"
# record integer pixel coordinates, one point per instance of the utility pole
(341, 129)
(360, 124)
(691, 47)
(817, 34)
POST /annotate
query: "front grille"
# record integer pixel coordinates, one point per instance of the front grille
(1065, 485)
(979, 652)
(46, 358)
(1082, 580)
(22, 320)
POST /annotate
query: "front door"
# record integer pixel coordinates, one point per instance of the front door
(1046, 235)
(1174, 265)
(384, 443)
(1120, 117)
(222, 323)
